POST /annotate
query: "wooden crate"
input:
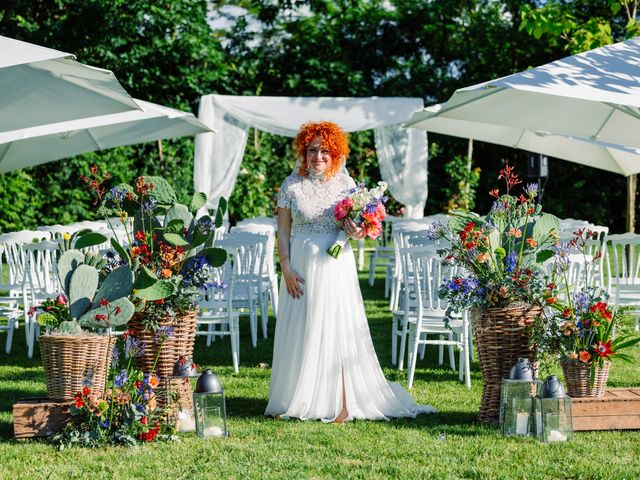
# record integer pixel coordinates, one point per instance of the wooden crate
(40, 417)
(617, 409)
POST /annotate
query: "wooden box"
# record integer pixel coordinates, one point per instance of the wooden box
(617, 409)
(40, 417)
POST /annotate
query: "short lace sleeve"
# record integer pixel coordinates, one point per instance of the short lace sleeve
(284, 196)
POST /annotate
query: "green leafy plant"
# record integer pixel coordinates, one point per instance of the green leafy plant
(95, 294)
(166, 247)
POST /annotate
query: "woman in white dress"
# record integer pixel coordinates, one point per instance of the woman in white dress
(324, 364)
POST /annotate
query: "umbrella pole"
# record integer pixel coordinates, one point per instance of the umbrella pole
(632, 184)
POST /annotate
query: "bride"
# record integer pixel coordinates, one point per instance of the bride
(324, 363)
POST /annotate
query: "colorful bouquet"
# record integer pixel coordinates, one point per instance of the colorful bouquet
(168, 249)
(366, 208)
(581, 327)
(502, 251)
(127, 412)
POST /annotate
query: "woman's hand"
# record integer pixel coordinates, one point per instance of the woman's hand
(353, 231)
(293, 282)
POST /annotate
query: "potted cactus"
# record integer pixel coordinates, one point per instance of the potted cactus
(95, 299)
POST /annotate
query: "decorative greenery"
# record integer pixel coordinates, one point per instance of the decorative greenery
(464, 182)
(95, 293)
(502, 251)
(126, 413)
(583, 327)
(169, 260)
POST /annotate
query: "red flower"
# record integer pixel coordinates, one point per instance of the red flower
(530, 211)
(494, 193)
(117, 311)
(104, 302)
(566, 313)
(86, 390)
(141, 236)
(551, 300)
(159, 302)
(94, 169)
(79, 402)
(604, 349)
(100, 317)
(470, 245)
(143, 420)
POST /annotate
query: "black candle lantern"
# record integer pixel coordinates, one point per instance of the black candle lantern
(517, 400)
(209, 406)
(554, 421)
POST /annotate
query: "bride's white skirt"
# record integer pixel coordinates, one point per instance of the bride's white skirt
(323, 335)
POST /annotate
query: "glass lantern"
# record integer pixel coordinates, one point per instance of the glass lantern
(517, 400)
(209, 407)
(554, 422)
(183, 370)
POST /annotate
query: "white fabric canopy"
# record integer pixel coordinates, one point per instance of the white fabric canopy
(594, 95)
(40, 85)
(403, 164)
(36, 145)
(605, 156)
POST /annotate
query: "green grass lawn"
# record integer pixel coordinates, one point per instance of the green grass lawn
(450, 444)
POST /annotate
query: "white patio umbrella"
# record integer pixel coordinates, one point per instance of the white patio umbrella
(37, 145)
(40, 85)
(613, 158)
(591, 95)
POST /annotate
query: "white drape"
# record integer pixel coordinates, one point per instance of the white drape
(402, 156)
(403, 152)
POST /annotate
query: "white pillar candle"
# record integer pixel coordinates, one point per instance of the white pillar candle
(556, 436)
(522, 422)
(213, 432)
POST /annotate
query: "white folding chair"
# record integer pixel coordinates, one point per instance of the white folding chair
(41, 282)
(217, 313)
(625, 272)
(9, 307)
(383, 254)
(429, 272)
(269, 284)
(247, 261)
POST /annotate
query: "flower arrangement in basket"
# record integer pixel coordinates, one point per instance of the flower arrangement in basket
(366, 208)
(504, 284)
(95, 297)
(502, 251)
(126, 412)
(170, 258)
(580, 330)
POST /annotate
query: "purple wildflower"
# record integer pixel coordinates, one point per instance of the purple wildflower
(147, 207)
(510, 262)
(562, 257)
(165, 332)
(134, 347)
(532, 190)
(435, 230)
(121, 378)
(116, 195)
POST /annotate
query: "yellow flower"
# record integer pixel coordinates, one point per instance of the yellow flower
(66, 236)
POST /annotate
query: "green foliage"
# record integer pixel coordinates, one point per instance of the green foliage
(463, 182)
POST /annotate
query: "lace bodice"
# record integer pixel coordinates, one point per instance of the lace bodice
(312, 201)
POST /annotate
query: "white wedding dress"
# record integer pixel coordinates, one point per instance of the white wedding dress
(325, 334)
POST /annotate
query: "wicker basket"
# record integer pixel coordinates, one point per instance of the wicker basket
(179, 345)
(502, 336)
(577, 375)
(69, 359)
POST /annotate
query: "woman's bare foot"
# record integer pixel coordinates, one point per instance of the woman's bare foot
(342, 416)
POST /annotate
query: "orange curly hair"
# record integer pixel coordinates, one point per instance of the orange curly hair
(333, 138)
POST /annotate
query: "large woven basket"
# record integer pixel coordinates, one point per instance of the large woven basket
(577, 375)
(502, 336)
(179, 345)
(69, 360)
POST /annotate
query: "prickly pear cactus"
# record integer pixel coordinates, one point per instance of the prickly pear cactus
(82, 289)
(117, 312)
(116, 284)
(162, 191)
(67, 263)
(70, 327)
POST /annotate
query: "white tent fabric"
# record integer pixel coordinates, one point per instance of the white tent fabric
(605, 156)
(36, 145)
(218, 158)
(593, 95)
(40, 85)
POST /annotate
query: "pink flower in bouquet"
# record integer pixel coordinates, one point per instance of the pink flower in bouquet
(381, 212)
(373, 230)
(343, 208)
